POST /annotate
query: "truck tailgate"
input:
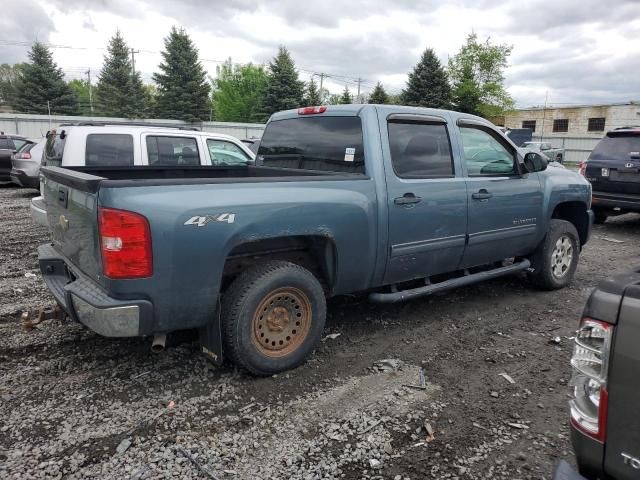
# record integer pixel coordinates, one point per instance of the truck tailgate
(72, 217)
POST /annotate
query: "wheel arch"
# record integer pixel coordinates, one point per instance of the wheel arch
(316, 253)
(574, 212)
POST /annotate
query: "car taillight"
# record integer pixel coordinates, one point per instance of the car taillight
(125, 241)
(311, 110)
(583, 168)
(590, 362)
(24, 156)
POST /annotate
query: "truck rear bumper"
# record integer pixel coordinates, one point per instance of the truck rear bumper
(87, 303)
(39, 211)
(623, 201)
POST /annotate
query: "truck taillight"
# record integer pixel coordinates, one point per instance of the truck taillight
(125, 241)
(590, 362)
(582, 168)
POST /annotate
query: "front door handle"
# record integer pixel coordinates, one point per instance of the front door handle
(481, 194)
(407, 199)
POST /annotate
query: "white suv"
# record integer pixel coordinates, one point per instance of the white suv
(129, 145)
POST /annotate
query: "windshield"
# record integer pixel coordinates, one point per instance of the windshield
(617, 146)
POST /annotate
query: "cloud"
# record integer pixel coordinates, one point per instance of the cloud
(22, 23)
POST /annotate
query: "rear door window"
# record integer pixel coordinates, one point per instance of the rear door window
(226, 153)
(617, 146)
(420, 150)
(332, 144)
(165, 150)
(109, 150)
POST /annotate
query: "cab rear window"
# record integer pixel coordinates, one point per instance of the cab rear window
(332, 144)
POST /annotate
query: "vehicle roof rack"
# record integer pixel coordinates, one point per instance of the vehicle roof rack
(126, 124)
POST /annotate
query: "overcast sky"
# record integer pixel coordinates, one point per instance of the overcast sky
(579, 51)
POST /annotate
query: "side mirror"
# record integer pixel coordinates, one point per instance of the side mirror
(534, 162)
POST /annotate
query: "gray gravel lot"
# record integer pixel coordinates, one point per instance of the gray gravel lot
(76, 405)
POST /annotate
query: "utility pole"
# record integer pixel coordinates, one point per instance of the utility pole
(133, 60)
(321, 81)
(88, 72)
(544, 114)
(358, 96)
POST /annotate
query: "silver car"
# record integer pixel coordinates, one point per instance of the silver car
(25, 165)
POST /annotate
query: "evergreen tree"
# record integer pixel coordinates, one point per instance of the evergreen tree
(379, 95)
(183, 90)
(284, 90)
(346, 98)
(312, 97)
(477, 75)
(428, 85)
(120, 92)
(42, 81)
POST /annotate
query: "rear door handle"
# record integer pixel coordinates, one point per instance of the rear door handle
(482, 194)
(407, 199)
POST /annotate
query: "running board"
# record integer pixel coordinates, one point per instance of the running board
(403, 295)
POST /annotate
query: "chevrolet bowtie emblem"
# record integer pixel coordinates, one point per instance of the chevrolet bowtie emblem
(63, 222)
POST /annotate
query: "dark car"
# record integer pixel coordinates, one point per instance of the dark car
(605, 426)
(613, 168)
(9, 144)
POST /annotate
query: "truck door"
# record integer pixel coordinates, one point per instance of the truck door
(426, 197)
(505, 206)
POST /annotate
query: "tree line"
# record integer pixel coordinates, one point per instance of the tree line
(471, 82)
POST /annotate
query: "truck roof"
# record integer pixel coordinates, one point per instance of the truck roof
(356, 109)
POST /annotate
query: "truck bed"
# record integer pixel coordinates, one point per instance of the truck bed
(89, 178)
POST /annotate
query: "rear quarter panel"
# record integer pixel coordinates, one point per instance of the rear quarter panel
(189, 259)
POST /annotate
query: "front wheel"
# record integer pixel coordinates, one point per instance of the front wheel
(272, 316)
(555, 260)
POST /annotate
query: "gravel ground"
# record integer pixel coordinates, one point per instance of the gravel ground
(75, 405)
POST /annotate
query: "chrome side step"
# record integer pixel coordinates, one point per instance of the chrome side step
(402, 295)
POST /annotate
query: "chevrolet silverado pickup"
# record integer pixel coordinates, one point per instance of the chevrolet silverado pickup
(398, 202)
(605, 426)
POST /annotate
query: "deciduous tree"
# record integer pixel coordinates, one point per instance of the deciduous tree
(477, 75)
(238, 92)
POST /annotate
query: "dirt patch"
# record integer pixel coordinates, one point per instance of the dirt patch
(71, 399)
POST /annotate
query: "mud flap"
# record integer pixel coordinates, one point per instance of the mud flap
(210, 337)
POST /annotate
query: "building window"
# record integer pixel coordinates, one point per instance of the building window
(530, 124)
(596, 124)
(561, 125)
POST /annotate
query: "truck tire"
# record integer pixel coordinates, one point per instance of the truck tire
(272, 317)
(555, 260)
(599, 216)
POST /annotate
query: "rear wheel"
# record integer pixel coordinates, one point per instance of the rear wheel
(272, 317)
(555, 260)
(599, 216)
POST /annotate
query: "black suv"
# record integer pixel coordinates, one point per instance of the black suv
(8, 145)
(613, 168)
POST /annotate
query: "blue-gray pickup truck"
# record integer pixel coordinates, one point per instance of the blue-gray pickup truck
(398, 202)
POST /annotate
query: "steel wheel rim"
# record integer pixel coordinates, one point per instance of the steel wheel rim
(562, 257)
(281, 322)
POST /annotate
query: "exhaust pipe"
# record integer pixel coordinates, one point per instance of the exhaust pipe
(159, 340)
